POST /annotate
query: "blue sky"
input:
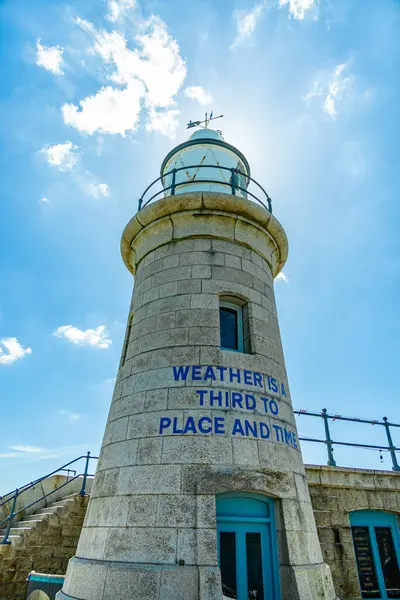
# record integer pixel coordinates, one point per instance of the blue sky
(94, 94)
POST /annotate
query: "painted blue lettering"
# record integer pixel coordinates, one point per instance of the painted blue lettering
(221, 372)
(288, 436)
(175, 428)
(294, 440)
(274, 386)
(273, 407)
(165, 422)
(217, 397)
(202, 427)
(189, 426)
(233, 375)
(201, 393)
(283, 391)
(180, 373)
(237, 399)
(264, 431)
(237, 428)
(277, 430)
(250, 401)
(258, 379)
(265, 400)
(227, 403)
(209, 374)
(251, 428)
(247, 377)
(219, 425)
(196, 373)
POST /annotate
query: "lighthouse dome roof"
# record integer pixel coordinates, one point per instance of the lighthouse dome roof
(209, 134)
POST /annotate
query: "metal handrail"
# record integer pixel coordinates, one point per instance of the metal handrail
(232, 184)
(13, 496)
(329, 442)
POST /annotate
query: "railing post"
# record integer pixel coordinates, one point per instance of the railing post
(140, 204)
(331, 461)
(5, 539)
(396, 466)
(85, 474)
(269, 204)
(173, 182)
(233, 182)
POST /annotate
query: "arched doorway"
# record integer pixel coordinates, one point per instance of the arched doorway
(247, 547)
(376, 542)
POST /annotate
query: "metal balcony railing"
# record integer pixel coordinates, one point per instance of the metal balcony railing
(330, 443)
(236, 177)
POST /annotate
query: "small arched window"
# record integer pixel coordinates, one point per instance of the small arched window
(231, 325)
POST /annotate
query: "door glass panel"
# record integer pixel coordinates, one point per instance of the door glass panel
(255, 584)
(365, 563)
(227, 544)
(390, 567)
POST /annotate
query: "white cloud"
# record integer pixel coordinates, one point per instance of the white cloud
(118, 8)
(90, 337)
(44, 200)
(196, 92)
(111, 110)
(28, 449)
(33, 453)
(332, 89)
(49, 58)
(11, 350)
(298, 8)
(336, 89)
(96, 189)
(150, 75)
(70, 416)
(282, 277)
(164, 121)
(246, 22)
(63, 156)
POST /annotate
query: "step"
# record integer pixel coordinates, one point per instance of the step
(61, 503)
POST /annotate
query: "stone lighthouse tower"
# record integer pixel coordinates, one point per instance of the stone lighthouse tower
(200, 492)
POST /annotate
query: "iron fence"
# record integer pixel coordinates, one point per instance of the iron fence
(330, 443)
(13, 496)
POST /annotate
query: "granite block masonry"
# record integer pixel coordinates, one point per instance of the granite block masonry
(191, 423)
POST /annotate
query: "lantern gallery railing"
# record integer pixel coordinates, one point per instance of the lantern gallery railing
(236, 177)
(329, 442)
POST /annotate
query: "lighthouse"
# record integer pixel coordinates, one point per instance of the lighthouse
(200, 491)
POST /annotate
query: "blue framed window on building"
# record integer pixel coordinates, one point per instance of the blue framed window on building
(247, 548)
(231, 325)
(376, 542)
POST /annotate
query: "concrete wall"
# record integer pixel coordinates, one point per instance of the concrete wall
(335, 492)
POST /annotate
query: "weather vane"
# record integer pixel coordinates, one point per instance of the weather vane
(204, 124)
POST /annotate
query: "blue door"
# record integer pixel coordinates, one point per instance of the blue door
(247, 547)
(377, 548)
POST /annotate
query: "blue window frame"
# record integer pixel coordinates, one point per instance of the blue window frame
(247, 547)
(231, 326)
(376, 543)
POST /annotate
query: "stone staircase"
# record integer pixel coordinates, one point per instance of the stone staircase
(43, 541)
